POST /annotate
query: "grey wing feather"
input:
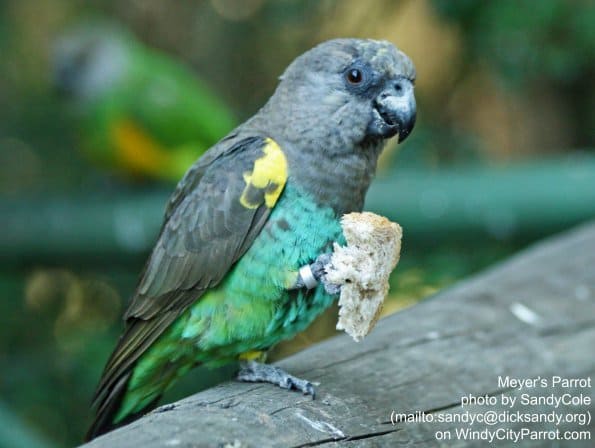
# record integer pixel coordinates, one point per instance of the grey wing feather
(203, 236)
(206, 230)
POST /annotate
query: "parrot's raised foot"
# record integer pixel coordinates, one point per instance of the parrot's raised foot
(331, 288)
(311, 274)
(256, 372)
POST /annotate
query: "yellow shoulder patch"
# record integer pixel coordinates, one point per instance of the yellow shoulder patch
(267, 178)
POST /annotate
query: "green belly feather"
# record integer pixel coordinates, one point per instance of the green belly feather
(251, 309)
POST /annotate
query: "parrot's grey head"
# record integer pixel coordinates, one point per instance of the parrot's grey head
(360, 89)
(332, 112)
(89, 59)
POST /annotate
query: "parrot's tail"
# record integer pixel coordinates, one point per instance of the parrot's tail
(104, 418)
(106, 413)
(136, 375)
(107, 410)
(113, 396)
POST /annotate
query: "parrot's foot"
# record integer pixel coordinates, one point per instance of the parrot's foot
(311, 274)
(256, 372)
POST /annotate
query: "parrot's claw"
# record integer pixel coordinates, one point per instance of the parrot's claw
(256, 372)
(311, 274)
(319, 266)
(331, 288)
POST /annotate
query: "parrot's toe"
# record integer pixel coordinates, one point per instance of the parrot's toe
(304, 386)
(319, 266)
(312, 274)
(331, 288)
(256, 372)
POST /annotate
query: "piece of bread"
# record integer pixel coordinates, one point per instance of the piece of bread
(362, 269)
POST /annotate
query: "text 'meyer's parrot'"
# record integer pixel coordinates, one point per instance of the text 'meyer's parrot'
(223, 282)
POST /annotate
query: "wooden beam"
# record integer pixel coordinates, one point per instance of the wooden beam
(531, 317)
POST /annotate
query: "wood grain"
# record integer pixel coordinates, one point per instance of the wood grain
(531, 316)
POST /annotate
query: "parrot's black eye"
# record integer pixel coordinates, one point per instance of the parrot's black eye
(358, 77)
(354, 76)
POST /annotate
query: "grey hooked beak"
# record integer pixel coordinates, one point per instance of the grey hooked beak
(394, 110)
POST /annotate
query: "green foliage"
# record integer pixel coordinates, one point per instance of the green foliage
(527, 40)
(141, 112)
(53, 343)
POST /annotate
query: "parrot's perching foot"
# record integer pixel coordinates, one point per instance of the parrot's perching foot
(256, 372)
(311, 274)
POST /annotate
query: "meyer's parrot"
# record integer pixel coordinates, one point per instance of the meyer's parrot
(225, 281)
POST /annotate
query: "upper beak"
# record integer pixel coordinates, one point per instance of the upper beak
(395, 109)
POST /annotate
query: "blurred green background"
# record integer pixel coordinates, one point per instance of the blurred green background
(502, 155)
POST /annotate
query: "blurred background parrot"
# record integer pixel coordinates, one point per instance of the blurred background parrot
(140, 113)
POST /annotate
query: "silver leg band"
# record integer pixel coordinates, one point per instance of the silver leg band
(308, 277)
